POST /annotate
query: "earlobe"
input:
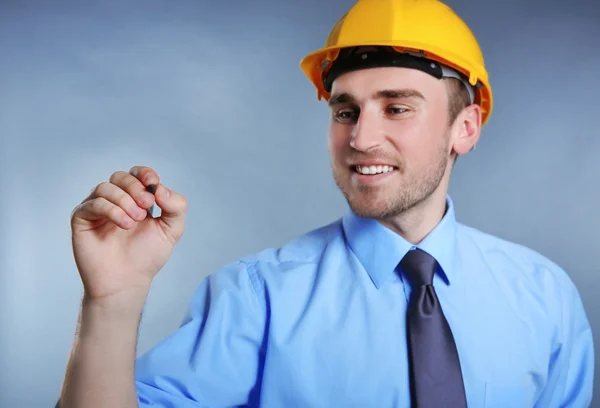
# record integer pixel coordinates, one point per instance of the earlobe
(468, 131)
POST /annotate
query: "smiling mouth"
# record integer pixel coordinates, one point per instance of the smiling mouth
(373, 169)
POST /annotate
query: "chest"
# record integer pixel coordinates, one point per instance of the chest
(351, 351)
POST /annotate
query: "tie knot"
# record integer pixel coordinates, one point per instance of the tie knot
(419, 267)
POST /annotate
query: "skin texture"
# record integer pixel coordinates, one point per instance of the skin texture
(398, 117)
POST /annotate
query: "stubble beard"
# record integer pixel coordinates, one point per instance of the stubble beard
(379, 203)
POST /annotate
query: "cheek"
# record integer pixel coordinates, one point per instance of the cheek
(408, 137)
(416, 143)
(339, 139)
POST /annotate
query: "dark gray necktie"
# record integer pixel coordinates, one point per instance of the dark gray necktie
(435, 373)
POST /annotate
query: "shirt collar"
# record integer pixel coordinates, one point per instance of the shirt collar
(380, 250)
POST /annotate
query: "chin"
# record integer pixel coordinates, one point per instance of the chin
(372, 205)
(367, 201)
(386, 202)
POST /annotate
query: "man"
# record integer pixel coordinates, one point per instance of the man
(394, 305)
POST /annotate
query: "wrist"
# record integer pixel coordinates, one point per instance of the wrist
(124, 304)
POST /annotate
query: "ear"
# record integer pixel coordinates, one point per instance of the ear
(467, 129)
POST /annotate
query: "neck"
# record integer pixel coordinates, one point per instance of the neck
(417, 222)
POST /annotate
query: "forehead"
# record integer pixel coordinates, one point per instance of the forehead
(364, 83)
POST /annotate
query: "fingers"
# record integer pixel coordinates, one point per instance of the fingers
(115, 194)
(127, 197)
(134, 187)
(173, 209)
(146, 175)
(100, 209)
(109, 202)
(122, 200)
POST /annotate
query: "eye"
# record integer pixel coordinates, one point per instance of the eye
(396, 110)
(346, 115)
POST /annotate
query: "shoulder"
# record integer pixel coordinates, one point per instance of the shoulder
(306, 248)
(517, 264)
(301, 255)
(538, 289)
(501, 251)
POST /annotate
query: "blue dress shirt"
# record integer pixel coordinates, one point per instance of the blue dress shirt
(320, 323)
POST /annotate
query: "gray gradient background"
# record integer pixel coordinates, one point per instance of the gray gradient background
(211, 95)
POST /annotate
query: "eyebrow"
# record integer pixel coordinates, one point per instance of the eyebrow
(345, 97)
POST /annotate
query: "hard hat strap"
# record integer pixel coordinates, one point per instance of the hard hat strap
(355, 58)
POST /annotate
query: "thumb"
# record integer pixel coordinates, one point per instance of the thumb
(173, 207)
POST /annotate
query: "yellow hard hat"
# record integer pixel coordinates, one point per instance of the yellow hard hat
(429, 35)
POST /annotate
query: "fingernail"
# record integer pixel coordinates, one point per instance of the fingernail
(167, 192)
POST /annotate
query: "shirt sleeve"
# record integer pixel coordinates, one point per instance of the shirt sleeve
(214, 358)
(570, 380)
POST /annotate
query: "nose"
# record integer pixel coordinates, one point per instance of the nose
(367, 133)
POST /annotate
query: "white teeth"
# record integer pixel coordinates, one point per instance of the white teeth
(374, 169)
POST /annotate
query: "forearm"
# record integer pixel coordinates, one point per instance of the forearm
(100, 372)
